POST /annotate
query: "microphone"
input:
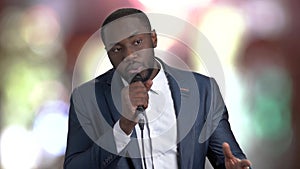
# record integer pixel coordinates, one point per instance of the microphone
(140, 109)
(142, 117)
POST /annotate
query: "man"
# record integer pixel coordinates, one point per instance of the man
(144, 113)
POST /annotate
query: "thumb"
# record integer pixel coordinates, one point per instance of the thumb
(226, 150)
(148, 84)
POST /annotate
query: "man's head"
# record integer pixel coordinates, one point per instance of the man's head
(125, 12)
(129, 42)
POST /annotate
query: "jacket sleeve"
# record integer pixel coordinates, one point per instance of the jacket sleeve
(83, 151)
(218, 119)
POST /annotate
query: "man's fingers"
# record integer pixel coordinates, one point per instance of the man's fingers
(227, 151)
(148, 84)
(230, 159)
(245, 163)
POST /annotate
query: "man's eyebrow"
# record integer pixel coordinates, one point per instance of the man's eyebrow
(111, 45)
(132, 34)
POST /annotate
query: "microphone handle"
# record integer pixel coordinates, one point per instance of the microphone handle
(140, 114)
(140, 109)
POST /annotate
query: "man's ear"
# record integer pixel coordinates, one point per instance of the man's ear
(154, 38)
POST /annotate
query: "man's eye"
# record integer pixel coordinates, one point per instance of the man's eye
(138, 42)
(116, 49)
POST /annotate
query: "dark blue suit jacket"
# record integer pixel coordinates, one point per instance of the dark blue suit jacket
(202, 123)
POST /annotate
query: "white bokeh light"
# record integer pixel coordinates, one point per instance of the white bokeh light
(51, 127)
(19, 149)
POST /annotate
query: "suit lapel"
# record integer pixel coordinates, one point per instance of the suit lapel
(113, 97)
(180, 95)
(175, 92)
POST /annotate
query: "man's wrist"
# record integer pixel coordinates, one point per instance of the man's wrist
(127, 125)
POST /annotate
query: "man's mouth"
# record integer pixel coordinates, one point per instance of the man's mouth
(135, 68)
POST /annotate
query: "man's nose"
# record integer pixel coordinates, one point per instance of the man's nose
(130, 53)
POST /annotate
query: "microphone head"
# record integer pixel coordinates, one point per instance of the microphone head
(137, 78)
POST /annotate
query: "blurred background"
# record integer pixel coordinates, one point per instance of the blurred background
(257, 43)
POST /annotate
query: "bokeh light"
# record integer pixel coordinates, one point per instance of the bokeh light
(51, 123)
(17, 93)
(18, 147)
(10, 29)
(177, 4)
(32, 62)
(267, 19)
(40, 29)
(224, 26)
(271, 104)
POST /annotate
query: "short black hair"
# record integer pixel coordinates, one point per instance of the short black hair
(122, 12)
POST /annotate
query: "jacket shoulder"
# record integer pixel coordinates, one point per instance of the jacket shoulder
(201, 80)
(102, 79)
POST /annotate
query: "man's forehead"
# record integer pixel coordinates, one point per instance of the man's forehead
(123, 28)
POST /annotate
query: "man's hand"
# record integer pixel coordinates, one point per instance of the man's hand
(134, 95)
(231, 162)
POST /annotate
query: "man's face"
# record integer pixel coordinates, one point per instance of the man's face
(129, 44)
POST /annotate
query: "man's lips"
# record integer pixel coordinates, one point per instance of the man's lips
(135, 68)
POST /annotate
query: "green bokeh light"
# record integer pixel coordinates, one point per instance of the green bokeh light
(20, 80)
(271, 104)
(24, 70)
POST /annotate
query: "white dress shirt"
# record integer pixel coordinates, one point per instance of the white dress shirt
(162, 125)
